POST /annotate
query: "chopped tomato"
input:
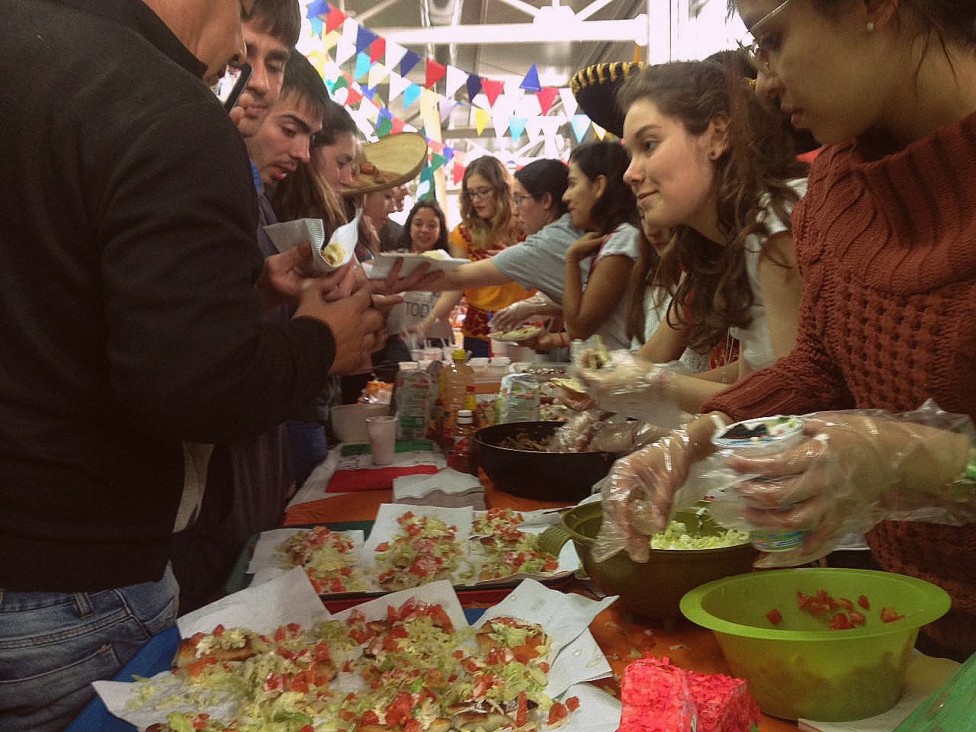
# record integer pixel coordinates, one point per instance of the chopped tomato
(863, 602)
(841, 622)
(557, 713)
(572, 704)
(522, 713)
(890, 615)
(857, 618)
(370, 717)
(774, 616)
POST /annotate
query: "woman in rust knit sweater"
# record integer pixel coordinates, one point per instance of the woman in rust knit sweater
(886, 245)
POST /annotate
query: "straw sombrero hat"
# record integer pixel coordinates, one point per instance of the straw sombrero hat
(388, 162)
(595, 89)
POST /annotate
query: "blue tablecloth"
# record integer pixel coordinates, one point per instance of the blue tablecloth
(152, 658)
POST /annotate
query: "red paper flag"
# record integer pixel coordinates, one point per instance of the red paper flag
(458, 173)
(377, 49)
(334, 19)
(492, 89)
(435, 72)
(547, 95)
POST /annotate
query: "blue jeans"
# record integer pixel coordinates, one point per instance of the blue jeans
(53, 645)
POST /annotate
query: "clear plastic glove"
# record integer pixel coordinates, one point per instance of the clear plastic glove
(857, 468)
(633, 387)
(576, 434)
(625, 436)
(637, 496)
(517, 313)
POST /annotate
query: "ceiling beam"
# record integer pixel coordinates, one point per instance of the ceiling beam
(634, 30)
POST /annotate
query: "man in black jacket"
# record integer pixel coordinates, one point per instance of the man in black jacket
(130, 316)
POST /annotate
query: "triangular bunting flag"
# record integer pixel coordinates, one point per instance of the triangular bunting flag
(377, 50)
(492, 89)
(437, 161)
(398, 125)
(364, 37)
(378, 73)
(385, 127)
(580, 124)
(394, 54)
(354, 97)
(516, 126)
(531, 80)
(434, 73)
(334, 19)
(546, 97)
(457, 173)
(397, 86)
(481, 119)
(341, 82)
(455, 79)
(317, 8)
(317, 26)
(570, 105)
(411, 94)
(500, 123)
(363, 65)
(330, 39)
(409, 60)
(474, 86)
(448, 153)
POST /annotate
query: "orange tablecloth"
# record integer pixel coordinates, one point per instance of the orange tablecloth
(621, 637)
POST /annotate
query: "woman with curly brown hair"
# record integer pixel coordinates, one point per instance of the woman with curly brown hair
(714, 165)
(487, 227)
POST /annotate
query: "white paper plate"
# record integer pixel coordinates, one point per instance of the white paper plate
(382, 264)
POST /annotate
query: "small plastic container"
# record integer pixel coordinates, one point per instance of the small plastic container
(758, 437)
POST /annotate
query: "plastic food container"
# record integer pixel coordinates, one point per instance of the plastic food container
(799, 667)
(757, 437)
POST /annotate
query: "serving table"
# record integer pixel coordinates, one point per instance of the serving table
(622, 637)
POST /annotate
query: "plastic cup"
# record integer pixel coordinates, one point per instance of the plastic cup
(381, 432)
(417, 354)
(765, 436)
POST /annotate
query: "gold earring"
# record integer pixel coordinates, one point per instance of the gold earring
(870, 26)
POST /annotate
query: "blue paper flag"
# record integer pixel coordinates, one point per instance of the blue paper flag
(409, 60)
(531, 80)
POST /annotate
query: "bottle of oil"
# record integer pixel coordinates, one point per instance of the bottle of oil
(454, 388)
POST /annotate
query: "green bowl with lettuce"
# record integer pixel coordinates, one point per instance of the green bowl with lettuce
(693, 550)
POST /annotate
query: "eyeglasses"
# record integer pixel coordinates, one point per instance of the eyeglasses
(758, 56)
(474, 193)
(518, 198)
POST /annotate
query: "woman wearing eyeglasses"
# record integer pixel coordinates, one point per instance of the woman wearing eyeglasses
(886, 240)
(487, 227)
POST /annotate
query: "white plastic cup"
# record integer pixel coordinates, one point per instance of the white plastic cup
(417, 354)
(381, 432)
(777, 433)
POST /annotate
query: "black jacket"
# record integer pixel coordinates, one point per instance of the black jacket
(128, 317)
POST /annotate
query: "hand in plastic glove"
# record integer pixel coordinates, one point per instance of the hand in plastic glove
(575, 434)
(633, 387)
(537, 306)
(856, 469)
(625, 436)
(637, 496)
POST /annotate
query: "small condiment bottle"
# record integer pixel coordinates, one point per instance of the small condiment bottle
(459, 452)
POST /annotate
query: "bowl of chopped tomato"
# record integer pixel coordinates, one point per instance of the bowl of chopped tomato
(827, 644)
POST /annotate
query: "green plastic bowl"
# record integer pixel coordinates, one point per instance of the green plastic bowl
(651, 589)
(799, 667)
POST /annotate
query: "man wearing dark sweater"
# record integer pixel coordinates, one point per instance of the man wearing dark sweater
(130, 312)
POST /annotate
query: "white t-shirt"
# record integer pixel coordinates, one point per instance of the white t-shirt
(415, 307)
(755, 346)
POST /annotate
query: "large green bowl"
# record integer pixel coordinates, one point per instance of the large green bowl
(652, 589)
(798, 667)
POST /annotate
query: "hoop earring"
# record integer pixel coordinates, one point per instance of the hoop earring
(870, 26)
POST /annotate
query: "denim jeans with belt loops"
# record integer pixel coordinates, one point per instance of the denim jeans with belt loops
(53, 645)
